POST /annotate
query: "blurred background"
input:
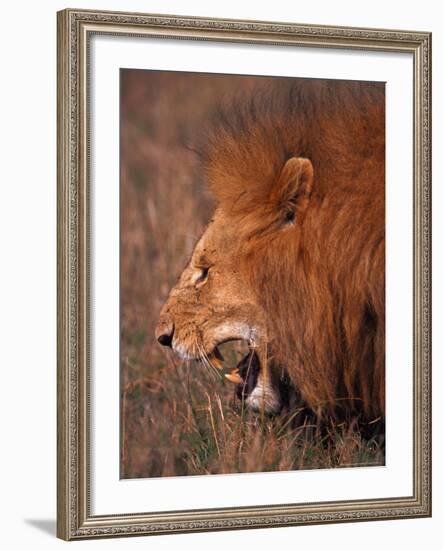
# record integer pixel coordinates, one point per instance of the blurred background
(178, 419)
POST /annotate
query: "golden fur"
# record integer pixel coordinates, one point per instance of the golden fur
(294, 258)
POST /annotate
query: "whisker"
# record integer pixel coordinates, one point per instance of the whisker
(210, 367)
(203, 358)
(216, 372)
(207, 361)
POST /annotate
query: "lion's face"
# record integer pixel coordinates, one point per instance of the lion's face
(212, 303)
(219, 296)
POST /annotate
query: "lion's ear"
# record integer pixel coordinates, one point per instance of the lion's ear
(294, 186)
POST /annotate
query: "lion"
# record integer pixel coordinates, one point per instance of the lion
(293, 259)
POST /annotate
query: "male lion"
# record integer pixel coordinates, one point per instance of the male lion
(293, 259)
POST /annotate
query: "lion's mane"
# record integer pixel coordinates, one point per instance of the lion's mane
(325, 290)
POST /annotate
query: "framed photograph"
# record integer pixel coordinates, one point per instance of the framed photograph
(243, 274)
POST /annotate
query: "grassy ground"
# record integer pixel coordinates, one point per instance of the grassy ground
(178, 419)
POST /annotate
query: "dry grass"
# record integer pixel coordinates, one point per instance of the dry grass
(178, 419)
(182, 423)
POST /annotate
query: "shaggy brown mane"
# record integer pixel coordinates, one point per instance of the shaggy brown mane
(324, 287)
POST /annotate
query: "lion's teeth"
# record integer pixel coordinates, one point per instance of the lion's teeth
(218, 354)
(215, 361)
(234, 377)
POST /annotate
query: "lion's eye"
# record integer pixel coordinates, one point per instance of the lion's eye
(203, 275)
(289, 216)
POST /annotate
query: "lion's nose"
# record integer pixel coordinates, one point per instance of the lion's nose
(165, 339)
(165, 332)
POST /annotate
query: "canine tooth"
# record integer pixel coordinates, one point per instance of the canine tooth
(234, 377)
(215, 361)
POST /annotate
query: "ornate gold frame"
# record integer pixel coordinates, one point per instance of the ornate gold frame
(75, 28)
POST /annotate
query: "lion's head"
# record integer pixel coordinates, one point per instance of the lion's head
(292, 261)
(215, 299)
(212, 302)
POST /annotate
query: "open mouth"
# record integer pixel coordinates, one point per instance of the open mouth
(241, 354)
